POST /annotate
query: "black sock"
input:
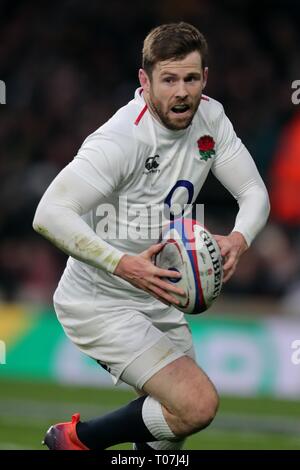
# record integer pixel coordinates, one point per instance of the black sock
(123, 425)
(143, 446)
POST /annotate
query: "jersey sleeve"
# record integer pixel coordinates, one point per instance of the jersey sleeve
(236, 170)
(228, 145)
(101, 162)
(58, 218)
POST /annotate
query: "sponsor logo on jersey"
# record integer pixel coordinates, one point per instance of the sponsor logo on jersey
(151, 165)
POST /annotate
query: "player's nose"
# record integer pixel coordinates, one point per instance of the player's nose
(181, 91)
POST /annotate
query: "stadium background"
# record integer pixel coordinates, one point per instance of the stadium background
(68, 66)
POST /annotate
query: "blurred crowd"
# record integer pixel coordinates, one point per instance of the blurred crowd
(69, 65)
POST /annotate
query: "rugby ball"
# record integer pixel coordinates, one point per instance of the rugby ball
(191, 249)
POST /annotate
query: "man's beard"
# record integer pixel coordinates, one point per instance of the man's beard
(168, 123)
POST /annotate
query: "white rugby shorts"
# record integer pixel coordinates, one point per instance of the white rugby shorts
(131, 339)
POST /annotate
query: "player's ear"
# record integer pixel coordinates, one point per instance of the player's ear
(144, 80)
(205, 76)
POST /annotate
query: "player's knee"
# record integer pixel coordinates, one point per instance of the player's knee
(197, 416)
(205, 412)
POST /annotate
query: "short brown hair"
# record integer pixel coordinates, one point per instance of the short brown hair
(173, 41)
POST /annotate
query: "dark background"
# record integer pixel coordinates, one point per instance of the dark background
(69, 65)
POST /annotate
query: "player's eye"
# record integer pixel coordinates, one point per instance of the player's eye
(168, 79)
(192, 79)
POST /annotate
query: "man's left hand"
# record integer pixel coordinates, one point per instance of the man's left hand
(232, 247)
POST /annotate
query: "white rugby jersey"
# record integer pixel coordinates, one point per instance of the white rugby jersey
(130, 169)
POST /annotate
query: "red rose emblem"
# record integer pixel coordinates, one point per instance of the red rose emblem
(206, 143)
(206, 148)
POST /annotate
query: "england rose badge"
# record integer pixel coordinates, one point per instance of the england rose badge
(206, 147)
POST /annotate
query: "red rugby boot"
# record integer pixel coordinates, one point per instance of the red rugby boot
(63, 436)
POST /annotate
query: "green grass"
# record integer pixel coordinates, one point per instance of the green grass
(28, 409)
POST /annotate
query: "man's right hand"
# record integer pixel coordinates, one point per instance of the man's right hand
(140, 271)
